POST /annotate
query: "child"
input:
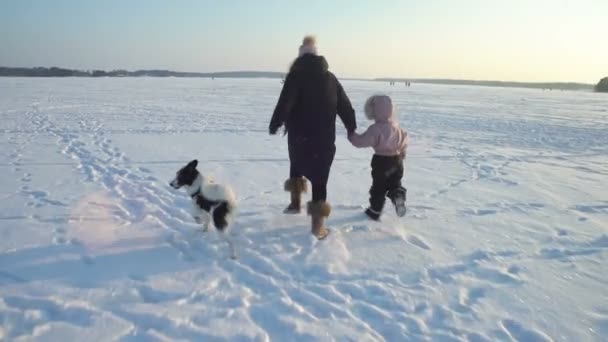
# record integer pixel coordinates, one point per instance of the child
(390, 143)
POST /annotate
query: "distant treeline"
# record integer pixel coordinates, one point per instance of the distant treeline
(61, 72)
(547, 85)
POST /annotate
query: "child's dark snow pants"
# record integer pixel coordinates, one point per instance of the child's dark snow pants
(387, 173)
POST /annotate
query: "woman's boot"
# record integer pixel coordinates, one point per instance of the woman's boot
(296, 186)
(318, 212)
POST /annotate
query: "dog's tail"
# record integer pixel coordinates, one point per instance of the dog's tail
(230, 199)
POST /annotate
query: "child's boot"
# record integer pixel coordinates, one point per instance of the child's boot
(398, 197)
(295, 186)
(372, 214)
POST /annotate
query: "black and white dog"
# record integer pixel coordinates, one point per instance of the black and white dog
(210, 201)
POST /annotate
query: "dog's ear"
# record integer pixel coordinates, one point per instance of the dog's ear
(193, 164)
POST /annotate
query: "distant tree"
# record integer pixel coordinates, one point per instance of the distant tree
(60, 72)
(99, 73)
(118, 73)
(80, 73)
(602, 85)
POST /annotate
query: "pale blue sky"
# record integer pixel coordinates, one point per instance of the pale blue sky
(527, 40)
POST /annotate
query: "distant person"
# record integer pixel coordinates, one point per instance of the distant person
(390, 144)
(308, 104)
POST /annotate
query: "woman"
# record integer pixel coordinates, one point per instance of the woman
(307, 106)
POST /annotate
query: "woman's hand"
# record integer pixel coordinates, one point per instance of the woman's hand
(273, 129)
(350, 134)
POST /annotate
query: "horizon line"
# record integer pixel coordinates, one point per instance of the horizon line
(382, 78)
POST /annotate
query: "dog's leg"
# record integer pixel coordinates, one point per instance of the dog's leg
(206, 221)
(228, 240)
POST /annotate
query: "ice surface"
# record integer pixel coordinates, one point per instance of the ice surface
(506, 236)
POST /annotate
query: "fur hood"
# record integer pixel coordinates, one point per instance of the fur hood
(384, 135)
(379, 108)
(310, 64)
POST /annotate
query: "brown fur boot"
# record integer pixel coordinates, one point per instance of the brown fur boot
(296, 186)
(318, 212)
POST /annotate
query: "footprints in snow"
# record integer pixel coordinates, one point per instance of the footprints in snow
(492, 268)
(518, 332)
(600, 208)
(397, 231)
(144, 170)
(481, 170)
(39, 198)
(27, 314)
(503, 207)
(469, 297)
(570, 249)
(418, 242)
(59, 236)
(592, 209)
(26, 178)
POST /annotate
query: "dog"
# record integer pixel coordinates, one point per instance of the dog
(211, 202)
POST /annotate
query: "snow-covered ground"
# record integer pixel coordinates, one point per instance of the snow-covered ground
(506, 237)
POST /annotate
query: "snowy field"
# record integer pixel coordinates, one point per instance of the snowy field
(506, 236)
